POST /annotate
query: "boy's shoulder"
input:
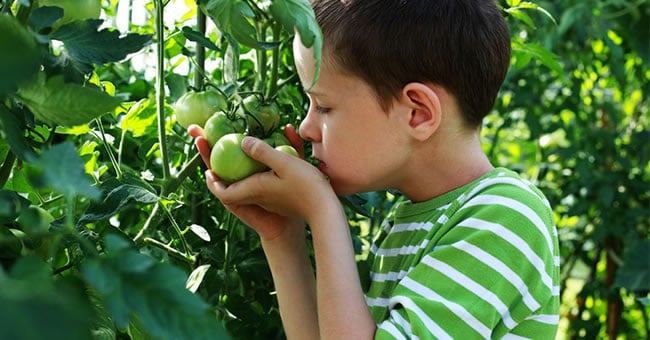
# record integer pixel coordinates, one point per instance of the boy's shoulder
(494, 187)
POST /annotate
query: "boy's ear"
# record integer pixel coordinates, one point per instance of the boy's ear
(425, 109)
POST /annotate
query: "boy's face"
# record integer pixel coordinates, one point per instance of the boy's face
(359, 146)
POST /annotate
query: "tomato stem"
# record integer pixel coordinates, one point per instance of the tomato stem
(275, 62)
(160, 88)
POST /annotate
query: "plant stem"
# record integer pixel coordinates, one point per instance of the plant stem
(118, 171)
(7, 166)
(186, 247)
(148, 223)
(172, 251)
(275, 61)
(175, 182)
(200, 53)
(260, 80)
(160, 88)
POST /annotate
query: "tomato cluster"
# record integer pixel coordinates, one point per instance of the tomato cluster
(224, 130)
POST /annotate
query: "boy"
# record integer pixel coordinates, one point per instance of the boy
(398, 104)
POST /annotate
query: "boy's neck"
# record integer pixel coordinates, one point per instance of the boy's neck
(437, 170)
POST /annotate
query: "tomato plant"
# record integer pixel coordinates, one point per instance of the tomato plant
(197, 107)
(105, 219)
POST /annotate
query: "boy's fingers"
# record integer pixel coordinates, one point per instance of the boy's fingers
(295, 140)
(203, 147)
(262, 152)
(194, 130)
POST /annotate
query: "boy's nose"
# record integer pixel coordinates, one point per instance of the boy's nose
(308, 129)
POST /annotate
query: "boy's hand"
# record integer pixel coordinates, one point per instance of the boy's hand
(264, 201)
(293, 187)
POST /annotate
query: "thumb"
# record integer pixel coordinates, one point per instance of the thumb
(258, 150)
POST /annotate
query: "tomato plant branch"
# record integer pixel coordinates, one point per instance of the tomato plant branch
(116, 165)
(200, 52)
(275, 61)
(170, 250)
(160, 88)
(147, 224)
(260, 60)
(181, 237)
(7, 166)
(186, 171)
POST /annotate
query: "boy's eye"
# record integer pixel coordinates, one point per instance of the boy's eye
(322, 109)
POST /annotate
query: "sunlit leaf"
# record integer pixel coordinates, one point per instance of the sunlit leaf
(85, 43)
(298, 15)
(62, 169)
(55, 102)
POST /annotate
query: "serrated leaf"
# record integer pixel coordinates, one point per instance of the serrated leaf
(141, 118)
(86, 44)
(153, 298)
(298, 15)
(20, 58)
(233, 17)
(62, 169)
(44, 17)
(55, 102)
(116, 198)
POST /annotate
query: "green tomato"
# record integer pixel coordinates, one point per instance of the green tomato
(217, 126)
(75, 10)
(229, 162)
(262, 118)
(287, 149)
(277, 138)
(197, 107)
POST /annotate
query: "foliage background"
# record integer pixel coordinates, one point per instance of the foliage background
(112, 218)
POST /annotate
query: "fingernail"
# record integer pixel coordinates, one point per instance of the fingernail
(247, 142)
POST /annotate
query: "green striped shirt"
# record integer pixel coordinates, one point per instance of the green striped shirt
(478, 262)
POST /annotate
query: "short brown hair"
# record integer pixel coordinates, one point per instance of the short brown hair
(461, 45)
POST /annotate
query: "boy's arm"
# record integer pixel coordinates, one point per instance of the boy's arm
(342, 309)
(295, 188)
(294, 281)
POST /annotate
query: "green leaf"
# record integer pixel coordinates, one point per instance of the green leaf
(141, 118)
(634, 274)
(55, 102)
(298, 15)
(116, 195)
(540, 53)
(44, 17)
(196, 277)
(199, 38)
(153, 298)
(20, 58)
(86, 44)
(34, 306)
(13, 132)
(234, 17)
(62, 169)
